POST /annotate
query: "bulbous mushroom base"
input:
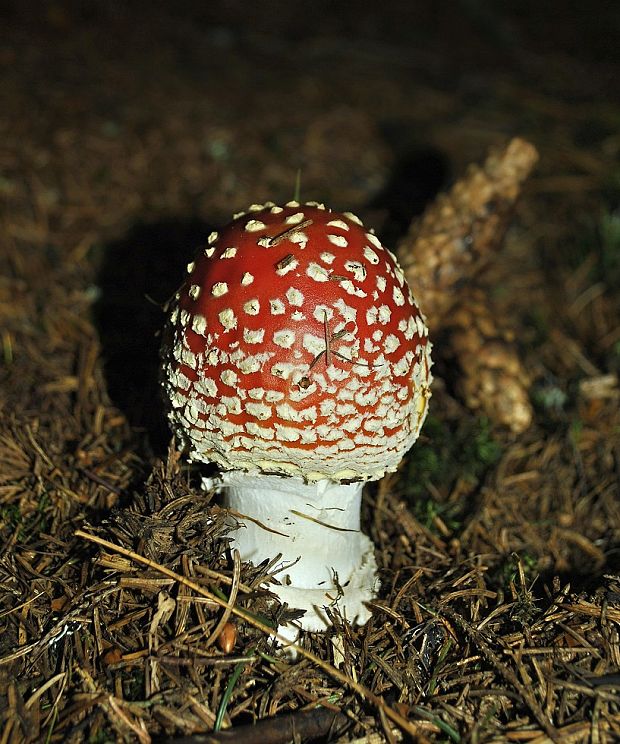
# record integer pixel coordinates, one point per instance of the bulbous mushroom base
(326, 561)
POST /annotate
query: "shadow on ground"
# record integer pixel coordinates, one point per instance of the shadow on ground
(138, 274)
(417, 177)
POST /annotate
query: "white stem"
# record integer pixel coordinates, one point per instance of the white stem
(326, 560)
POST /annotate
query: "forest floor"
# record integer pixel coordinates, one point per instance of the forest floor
(128, 131)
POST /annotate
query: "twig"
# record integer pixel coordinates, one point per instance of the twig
(304, 725)
(231, 600)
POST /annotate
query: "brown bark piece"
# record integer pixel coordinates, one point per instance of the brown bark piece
(443, 255)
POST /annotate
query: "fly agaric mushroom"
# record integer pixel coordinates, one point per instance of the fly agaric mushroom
(296, 359)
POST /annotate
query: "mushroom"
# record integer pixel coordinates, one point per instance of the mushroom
(296, 359)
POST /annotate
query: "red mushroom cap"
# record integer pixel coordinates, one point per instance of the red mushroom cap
(295, 347)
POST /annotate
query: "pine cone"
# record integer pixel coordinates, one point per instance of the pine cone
(492, 379)
(444, 254)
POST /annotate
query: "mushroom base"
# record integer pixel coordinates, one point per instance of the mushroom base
(327, 562)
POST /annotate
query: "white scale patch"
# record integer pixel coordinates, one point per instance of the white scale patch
(287, 433)
(366, 398)
(354, 384)
(294, 219)
(247, 279)
(391, 344)
(277, 307)
(353, 217)
(328, 406)
(230, 252)
(338, 223)
(316, 272)
(327, 257)
(253, 363)
(283, 370)
(273, 396)
(253, 337)
(257, 393)
(358, 271)
(188, 358)
(309, 414)
(209, 251)
(374, 240)
(370, 255)
(338, 240)
(408, 328)
(213, 357)
(421, 328)
(178, 379)
(402, 366)
(308, 436)
(290, 266)
(191, 266)
(191, 413)
(276, 210)
(348, 313)
(298, 394)
(252, 307)
(219, 289)
(337, 374)
(232, 403)
(374, 424)
(285, 338)
(399, 297)
(229, 377)
(328, 433)
(258, 410)
(194, 291)
(384, 314)
(369, 347)
(228, 319)
(300, 238)
(207, 387)
(199, 324)
(212, 237)
(262, 432)
(314, 344)
(403, 393)
(345, 394)
(351, 289)
(254, 226)
(322, 312)
(353, 424)
(297, 316)
(371, 315)
(286, 412)
(295, 297)
(229, 429)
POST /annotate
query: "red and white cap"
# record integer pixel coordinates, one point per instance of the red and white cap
(295, 347)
